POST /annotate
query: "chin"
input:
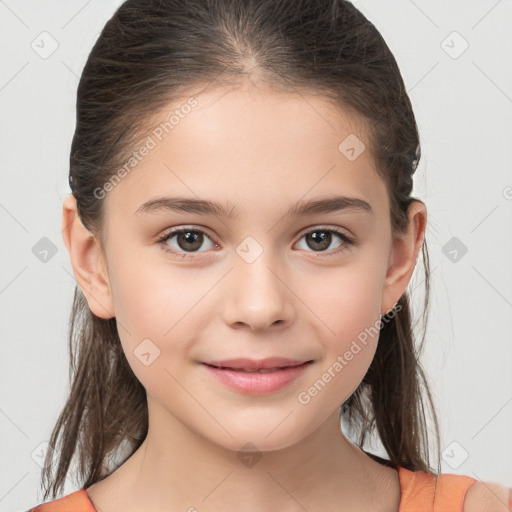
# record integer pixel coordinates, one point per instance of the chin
(264, 438)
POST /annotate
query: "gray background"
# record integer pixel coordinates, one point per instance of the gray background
(463, 104)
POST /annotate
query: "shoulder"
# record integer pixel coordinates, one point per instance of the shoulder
(77, 501)
(488, 497)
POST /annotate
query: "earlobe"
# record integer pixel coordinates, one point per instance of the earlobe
(404, 252)
(87, 261)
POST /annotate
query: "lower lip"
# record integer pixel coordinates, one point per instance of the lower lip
(256, 383)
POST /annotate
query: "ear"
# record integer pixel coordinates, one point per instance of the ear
(87, 261)
(403, 254)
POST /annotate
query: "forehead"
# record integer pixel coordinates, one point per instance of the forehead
(254, 148)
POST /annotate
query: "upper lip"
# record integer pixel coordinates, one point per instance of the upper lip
(256, 364)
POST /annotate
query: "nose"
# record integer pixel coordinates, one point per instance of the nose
(258, 295)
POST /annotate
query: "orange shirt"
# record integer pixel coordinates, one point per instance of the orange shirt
(420, 492)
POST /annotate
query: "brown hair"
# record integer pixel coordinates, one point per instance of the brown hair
(149, 54)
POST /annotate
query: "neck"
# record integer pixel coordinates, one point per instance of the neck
(175, 468)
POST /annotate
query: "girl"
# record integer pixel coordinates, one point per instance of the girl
(242, 231)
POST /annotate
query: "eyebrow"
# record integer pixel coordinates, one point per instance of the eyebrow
(204, 207)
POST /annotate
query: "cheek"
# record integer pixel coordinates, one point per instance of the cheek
(342, 301)
(151, 294)
(157, 302)
(345, 307)
(151, 312)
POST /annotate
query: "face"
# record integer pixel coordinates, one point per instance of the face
(256, 280)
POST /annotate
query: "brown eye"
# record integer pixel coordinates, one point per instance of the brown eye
(186, 241)
(189, 240)
(321, 239)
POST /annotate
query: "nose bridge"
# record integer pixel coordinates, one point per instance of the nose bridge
(258, 295)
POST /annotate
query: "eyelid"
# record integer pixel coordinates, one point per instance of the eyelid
(162, 240)
(348, 240)
(326, 227)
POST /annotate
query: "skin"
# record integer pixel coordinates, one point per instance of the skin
(261, 151)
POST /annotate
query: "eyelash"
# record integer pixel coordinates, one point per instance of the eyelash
(348, 241)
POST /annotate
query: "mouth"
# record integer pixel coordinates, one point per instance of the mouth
(270, 364)
(257, 378)
(257, 370)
